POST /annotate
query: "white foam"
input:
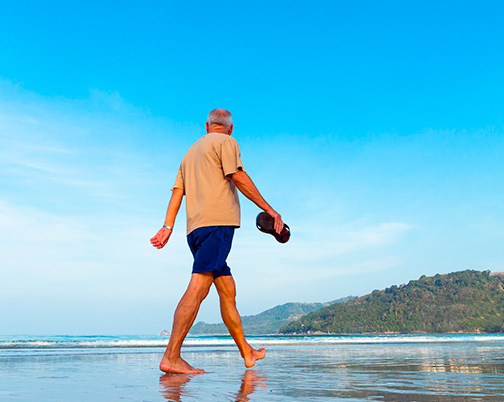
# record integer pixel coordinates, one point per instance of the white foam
(123, 343)
(86, 342)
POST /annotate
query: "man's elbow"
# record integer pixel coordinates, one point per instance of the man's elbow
(177, 192)
(238, 177)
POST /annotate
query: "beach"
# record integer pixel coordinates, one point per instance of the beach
(296, 368)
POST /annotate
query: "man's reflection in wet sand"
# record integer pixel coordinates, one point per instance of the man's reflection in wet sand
(174, 385)
(250, 380)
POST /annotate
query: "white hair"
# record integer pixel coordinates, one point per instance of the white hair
(221, 117)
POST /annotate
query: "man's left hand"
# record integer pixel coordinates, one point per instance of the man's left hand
(161, 238)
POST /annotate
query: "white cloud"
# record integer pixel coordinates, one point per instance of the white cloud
(315, 246)
(378, 235)
(64, 154)
(82, 189)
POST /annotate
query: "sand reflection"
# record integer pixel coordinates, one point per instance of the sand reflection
(174, 385)
(250, 381)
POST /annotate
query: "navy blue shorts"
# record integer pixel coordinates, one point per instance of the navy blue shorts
(210, 247)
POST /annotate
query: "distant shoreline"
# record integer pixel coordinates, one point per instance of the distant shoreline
(393, 333)
(317, 333)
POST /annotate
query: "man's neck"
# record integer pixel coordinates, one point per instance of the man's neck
(217, 128)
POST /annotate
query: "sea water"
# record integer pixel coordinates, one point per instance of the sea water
(297, 368)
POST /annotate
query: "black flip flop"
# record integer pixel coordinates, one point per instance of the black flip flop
(265, 223)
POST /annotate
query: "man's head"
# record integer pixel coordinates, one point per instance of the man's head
(219, 121)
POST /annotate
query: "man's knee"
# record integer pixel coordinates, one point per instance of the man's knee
(204, 293)
(226, 287)
(200, 285)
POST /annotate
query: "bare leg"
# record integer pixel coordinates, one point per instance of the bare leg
(227, 294)
(184, 317)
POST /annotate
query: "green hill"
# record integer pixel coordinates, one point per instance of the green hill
(465, 301)
(267, 322)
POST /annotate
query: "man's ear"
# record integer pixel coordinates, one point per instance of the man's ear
(207, 127)
(230, 129)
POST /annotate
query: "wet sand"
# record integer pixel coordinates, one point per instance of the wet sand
(383, 372)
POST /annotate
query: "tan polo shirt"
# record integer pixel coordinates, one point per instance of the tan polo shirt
(211, 198)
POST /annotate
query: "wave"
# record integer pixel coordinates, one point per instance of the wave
(139, 341)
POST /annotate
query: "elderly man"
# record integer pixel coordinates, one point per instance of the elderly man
(208, 176)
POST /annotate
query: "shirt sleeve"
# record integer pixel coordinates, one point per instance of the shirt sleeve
(179, 181)
(230, 157)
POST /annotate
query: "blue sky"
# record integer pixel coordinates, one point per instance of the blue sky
(374, 128)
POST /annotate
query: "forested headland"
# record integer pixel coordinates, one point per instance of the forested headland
(460, 302)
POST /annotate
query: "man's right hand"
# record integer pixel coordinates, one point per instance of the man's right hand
(161, 238)
(279, 225)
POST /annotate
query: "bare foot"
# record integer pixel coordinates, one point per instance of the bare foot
(178, 366)
(252, 355)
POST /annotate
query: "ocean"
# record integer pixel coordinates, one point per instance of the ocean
(296, 368)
